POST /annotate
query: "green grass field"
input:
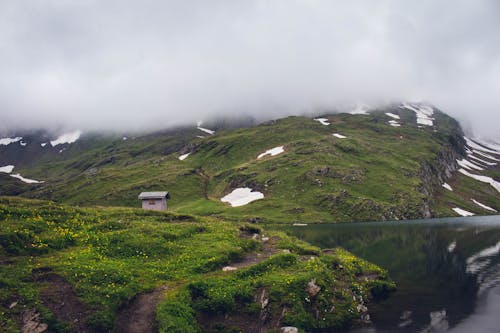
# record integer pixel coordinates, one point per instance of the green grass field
(376, 173)
(103, 257)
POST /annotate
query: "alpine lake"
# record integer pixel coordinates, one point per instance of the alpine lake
(447, 271)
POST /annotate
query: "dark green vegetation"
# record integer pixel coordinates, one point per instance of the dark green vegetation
(378, 172)
(63, 262)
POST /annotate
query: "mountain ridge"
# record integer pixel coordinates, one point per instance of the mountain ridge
(383, 164)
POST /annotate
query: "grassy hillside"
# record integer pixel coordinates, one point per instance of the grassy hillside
(375, 173)
(87, 270)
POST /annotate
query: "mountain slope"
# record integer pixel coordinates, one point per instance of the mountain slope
(388, 164)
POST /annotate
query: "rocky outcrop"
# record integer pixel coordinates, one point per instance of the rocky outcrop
(435, 172)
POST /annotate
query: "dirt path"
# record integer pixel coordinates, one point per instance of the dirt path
(139, 315)
(268, 249)
(58, 295)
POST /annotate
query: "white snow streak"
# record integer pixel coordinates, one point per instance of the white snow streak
(468, 165)
(183, 157)
(490, 145)
(483, 179)
(482, 161)
(273, 152)
(392, 115)
(7, 168)
(423, 112)
(394, 123)
(477, 261)
(26, 180)
(323, 121)
(447, 186)
(484, 206)
(22, 143)
(452, 246)
(206, 130)
(242, 196)
(474, 145)
(43, 144)
(462, 212)
(486, 155)
(340, 136)
(8, 141)
(66, 138)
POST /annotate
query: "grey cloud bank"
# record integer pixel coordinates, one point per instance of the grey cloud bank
(153, 64)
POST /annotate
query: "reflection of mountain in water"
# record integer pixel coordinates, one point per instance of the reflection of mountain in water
(442, 270)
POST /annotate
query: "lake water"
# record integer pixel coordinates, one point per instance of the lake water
(447, 271)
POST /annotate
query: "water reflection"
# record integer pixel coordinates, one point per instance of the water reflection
(448, 272)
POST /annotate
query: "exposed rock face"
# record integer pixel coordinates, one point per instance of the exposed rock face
(436, 172)
(31, 322)
(312, 288)
(289, 329)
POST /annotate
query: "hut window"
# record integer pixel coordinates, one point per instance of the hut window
(152, 201)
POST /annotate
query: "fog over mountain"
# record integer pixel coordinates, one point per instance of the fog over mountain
(152, 64)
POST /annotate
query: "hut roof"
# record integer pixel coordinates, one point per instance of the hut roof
(154, 195)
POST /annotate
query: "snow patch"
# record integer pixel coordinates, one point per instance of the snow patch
(468, 165)
(483, 179)
(242, 196)
(323, 121)
(360, 109)
(474, 145)
(66, 138)
(124, 138)
(424, 113)
(447, 186)
(340, 136)
(488, 144)
(484, 206)
(26, 180)
(43, 144)
(485, 155)
(273, 152)
(22, 143)
(392, 115)
(183, 157)
(482, 161)
(394, 123)
(8, 141)
(477, 261)
(206, 130)
(462, 212)
(7, 168)
(452, 246)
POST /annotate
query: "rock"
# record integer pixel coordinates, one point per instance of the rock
(229, 268)
(312, 288)
(11, 306)
(286, 251)
(289, 329)
(263, 299)
(31, 322)
(265, 239)
(405, 315)
(361, 308)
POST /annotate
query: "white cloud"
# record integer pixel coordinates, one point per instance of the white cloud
(90, 64)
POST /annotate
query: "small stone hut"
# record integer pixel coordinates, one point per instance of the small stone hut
(154, 200)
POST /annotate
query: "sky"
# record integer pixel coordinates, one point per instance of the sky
(108, 65)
